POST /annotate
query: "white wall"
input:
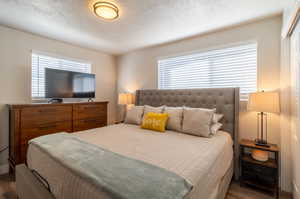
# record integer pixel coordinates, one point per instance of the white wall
(138, 69)
(15, 72)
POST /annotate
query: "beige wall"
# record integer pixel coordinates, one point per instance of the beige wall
(285, 116)
(289, 78)
(285, 130)
(138, 70)
(295, 113)
(15, 72)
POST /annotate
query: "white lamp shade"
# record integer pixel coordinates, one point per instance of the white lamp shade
(126, 98)
(264, 102)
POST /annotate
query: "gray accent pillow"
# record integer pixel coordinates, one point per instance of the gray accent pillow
(134, 115)
(197, 121)
(175, 118)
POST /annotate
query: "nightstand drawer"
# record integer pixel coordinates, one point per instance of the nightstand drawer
(259, 179)
(258, 169)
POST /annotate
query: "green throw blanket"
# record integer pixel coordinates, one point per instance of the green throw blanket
(119, 176)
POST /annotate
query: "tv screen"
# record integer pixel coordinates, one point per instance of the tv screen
(67, 84)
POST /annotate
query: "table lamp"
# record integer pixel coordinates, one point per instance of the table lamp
(126, 99)
(263, 102)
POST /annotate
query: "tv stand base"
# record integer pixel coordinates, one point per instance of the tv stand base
(53, 101)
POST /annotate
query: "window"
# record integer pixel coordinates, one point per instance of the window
(40, 62)
(227, 67)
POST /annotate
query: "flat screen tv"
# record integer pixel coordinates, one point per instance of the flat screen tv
(66, 84)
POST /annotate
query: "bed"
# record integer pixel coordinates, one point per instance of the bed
(209, 165)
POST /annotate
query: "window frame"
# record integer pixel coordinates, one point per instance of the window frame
(217, 47)
(55, 56)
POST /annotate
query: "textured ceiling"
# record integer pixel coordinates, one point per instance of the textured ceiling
(142, 22)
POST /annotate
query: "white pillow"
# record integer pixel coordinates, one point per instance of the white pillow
(217, 117)
(175, 118)
(215, 128)
(197, 121)
(134, 115)
(207, 109)
(153, 109)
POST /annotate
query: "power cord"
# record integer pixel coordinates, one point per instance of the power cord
(2, 150)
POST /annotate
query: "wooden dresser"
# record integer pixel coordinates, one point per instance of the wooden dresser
(28, 121)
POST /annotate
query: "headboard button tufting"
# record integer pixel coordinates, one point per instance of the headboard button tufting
(224, 99)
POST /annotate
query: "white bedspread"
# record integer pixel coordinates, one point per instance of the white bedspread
(201, 161)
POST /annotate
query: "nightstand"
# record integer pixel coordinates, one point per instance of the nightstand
(257, 174)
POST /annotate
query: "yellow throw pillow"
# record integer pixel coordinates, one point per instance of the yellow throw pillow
(155, 121)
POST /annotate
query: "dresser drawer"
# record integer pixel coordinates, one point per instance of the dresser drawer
(80, 125)
(37, 116)
(28, 121)
(40, 130)
(44, 129)
(23, 154)
(84, 111)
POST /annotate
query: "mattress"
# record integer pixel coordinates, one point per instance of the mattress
(201, 161)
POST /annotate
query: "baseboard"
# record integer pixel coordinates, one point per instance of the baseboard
(285, 194)
(296, 193)
(4, 169)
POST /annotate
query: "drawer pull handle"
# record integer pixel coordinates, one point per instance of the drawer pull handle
(47, 127)
(91, 120)
(89, 107)
(47, 111)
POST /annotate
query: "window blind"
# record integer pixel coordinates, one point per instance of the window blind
(40, 62)
(228, 67)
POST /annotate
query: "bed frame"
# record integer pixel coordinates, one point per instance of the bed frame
(225, 100)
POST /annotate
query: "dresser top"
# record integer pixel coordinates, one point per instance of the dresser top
(18, 106)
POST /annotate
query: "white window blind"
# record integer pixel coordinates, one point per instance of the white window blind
(40, 62)
(227, 67)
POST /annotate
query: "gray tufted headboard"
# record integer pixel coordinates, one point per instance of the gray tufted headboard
(225, 100)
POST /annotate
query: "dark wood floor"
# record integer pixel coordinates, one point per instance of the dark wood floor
(8, 191)
(7, 187)
(238, 192)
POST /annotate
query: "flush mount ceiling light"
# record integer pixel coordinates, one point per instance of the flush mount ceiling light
(106, 10)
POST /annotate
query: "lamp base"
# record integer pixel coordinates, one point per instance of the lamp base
(260, 155)
(261, 142)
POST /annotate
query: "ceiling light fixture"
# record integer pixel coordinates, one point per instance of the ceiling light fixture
(106, 10)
